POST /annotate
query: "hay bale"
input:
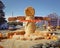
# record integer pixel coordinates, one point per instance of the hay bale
(20, 32)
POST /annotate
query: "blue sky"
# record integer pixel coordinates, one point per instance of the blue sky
(42, 7)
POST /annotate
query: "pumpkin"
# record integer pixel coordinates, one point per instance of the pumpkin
(10, 35)
(48, 37)
(54, 37)
(1, 35)
(49, 34)
(1, 46)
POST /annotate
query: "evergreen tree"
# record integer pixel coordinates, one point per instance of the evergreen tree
(2, 14)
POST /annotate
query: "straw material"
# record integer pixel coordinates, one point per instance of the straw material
(30, 26)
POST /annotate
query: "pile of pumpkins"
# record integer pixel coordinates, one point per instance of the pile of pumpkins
(45, 35)
(50, 36)
(10, 34)
(36, 35)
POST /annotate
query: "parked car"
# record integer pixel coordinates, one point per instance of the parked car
(12, 27)
(4, 26)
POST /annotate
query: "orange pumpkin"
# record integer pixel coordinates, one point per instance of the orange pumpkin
(48, 37)
(54, 37)
(1, 46)
(49, 34)
(1, 35)
(10, 35)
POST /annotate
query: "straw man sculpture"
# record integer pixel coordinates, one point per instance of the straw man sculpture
(30, 26)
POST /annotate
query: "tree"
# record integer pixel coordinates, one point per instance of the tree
(2, 14)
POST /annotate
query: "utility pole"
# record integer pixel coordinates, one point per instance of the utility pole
(12, 13)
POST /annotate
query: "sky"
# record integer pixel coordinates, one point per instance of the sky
(42, 7)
